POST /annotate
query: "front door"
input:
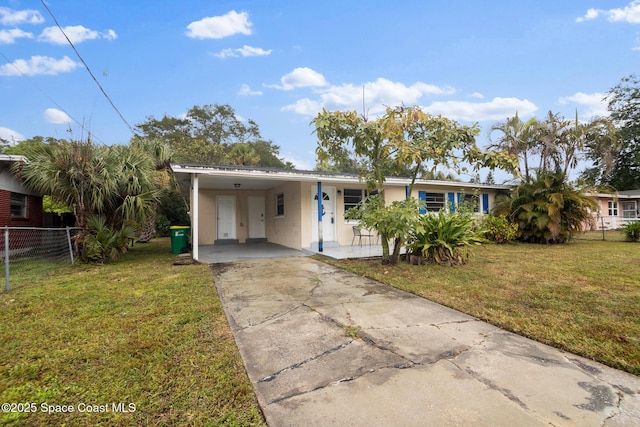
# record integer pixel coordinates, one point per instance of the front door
(256, 217)
(328, 214)
(226, 223)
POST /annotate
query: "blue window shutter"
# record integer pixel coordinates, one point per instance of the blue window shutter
(406, 191)
(452, 201)
(485, 203)
(422, 195)
(460, 199)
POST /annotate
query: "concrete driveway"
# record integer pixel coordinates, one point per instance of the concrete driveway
(324, 347)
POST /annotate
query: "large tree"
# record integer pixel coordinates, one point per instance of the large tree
(403, 139)
(209, 134)
(624, 105)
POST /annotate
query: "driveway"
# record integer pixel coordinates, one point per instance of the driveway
(326, 347)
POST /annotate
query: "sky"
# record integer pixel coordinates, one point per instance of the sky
(281, 62)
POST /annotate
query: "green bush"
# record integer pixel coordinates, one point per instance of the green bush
(444, 238)
(498, 229)
(632, 231)
(103, 244)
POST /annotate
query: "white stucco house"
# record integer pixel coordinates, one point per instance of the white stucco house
(251, 204)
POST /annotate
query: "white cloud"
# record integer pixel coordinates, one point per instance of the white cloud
(10, 135)
(630, 14)
(377, 96)
(244, 51)
(305, 107)
(15, 17)
(594, 103)
(10, 36)
(55, 116)
(76, 33)
(496, 109)
(245, 90)
(300, 77)
(477, 95)
(39, 65)
(591, 14)
(218, 27)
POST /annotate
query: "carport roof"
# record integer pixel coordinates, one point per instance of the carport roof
(225, 177)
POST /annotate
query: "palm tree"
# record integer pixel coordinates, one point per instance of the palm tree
(516, 139)
(548, 209)
(116, 182)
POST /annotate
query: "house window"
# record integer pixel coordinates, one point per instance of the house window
(629, 209)
(352, 197)
(613, 208)
(434, 201)
(18, 205)
(280, 204)
(472, 201)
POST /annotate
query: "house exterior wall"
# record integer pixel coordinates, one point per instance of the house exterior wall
(287, 229)
(611, 213)
(34, 211)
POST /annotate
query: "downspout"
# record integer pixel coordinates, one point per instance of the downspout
(194, 217)
(319, 216)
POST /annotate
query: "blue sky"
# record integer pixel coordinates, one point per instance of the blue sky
(280, 62)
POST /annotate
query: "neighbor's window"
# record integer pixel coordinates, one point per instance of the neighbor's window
(280, 204)
(18, 205)
(472, 201)
(613, 208)
(434, 201)
(629, 210)
(352, 197)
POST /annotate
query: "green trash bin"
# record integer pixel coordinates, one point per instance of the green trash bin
(179, 238)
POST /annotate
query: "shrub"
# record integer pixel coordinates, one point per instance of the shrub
(632, 231)
(444, 238)
(102, 244)
(498, 229)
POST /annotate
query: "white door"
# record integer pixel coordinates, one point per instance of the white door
(256, 217)
(226, 223)
(328, 214)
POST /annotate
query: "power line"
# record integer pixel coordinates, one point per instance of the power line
(89, 69)
(82, 126)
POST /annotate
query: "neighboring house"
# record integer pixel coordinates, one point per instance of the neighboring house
(19, 207)
(615, 210)
(244, 204)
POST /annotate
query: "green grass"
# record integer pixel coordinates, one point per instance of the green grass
(583, 297)
(140, 331)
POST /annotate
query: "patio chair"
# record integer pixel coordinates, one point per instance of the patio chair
(357, 232)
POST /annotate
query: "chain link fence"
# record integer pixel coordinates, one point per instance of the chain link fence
(29, 251)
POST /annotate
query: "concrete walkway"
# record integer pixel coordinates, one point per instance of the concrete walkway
(325, 347)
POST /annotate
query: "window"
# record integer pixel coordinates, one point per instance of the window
(18, 205)
(613, 208)
(629, 210)
(434, 201)
(352, 197)
(280, 204)
(472, 201)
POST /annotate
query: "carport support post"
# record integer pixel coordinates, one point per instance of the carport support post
(319, 216)
(195, 218)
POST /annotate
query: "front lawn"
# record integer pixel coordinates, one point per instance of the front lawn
(583, 297)
(140, 335)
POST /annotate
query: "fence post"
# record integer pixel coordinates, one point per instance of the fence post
(70, 245)
(6, 259)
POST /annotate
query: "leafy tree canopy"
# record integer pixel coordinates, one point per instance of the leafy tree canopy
(624, 105)
(213, 134)
(403, 140)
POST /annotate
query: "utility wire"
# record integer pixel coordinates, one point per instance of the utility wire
(89, 70)
(82, 126)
